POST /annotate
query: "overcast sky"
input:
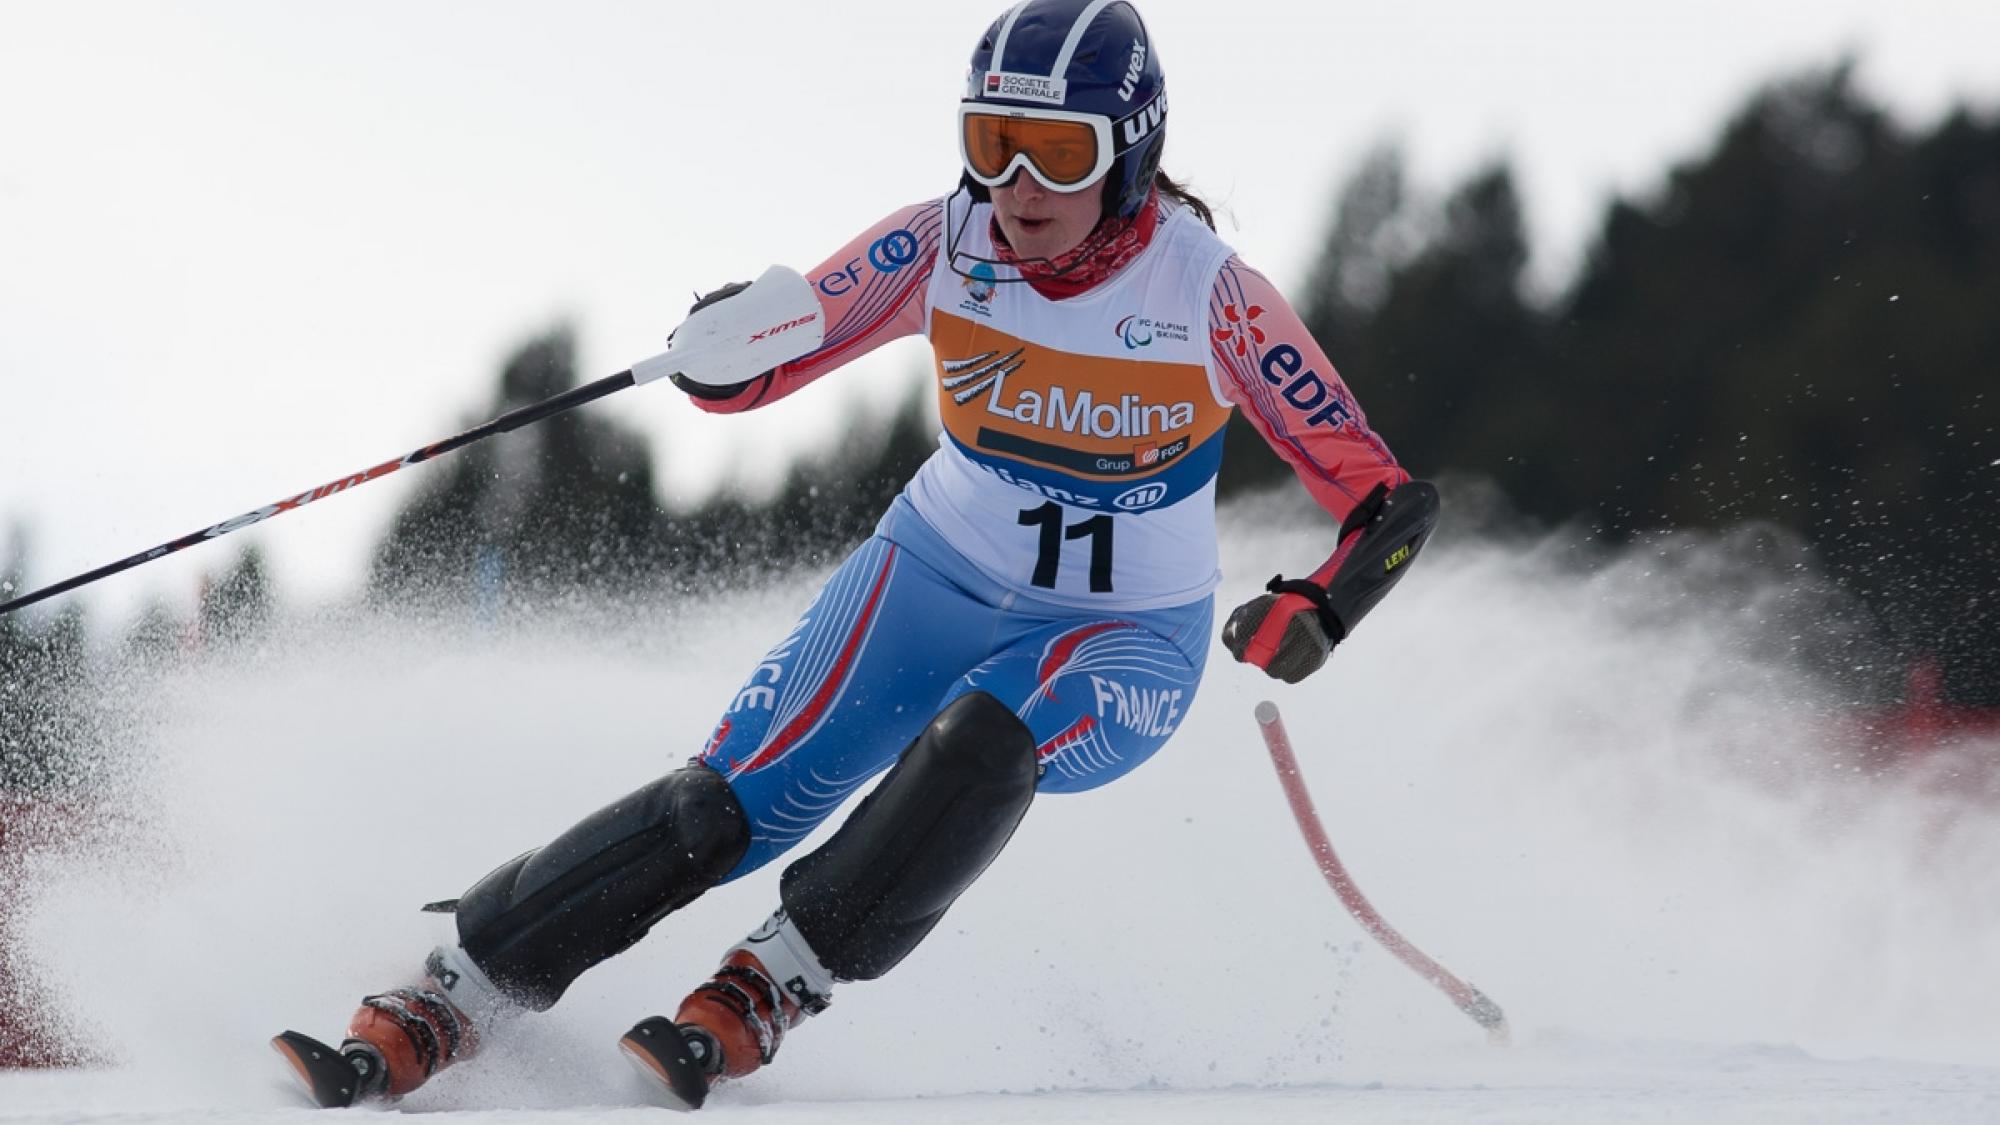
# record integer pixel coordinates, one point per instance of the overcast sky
(246, 248)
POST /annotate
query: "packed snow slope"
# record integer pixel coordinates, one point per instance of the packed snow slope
(1603, 794)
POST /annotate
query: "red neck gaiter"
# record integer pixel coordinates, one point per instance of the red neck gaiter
(1102, 253)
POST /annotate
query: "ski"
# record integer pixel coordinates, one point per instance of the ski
(331, 1078)
(661, 1053)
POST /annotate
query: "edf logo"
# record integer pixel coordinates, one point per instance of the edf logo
(1304, 389)
(887, 254)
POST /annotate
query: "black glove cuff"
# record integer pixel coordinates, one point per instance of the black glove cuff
(1316, 594)
(712, 394)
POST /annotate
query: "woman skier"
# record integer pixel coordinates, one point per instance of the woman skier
(1031, 615)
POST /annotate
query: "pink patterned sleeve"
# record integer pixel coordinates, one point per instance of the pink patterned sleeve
(1273, 370)
(871, 292)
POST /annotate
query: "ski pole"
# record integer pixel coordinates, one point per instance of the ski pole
(1470, 1000)
(513, 419)
(774, 321)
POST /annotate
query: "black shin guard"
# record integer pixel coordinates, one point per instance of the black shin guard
(866, 897)
(535, 924)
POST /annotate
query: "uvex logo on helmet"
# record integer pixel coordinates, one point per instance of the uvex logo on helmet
(1133, 129)
(1133, 72)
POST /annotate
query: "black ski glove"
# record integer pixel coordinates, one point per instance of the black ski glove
(1290, 630)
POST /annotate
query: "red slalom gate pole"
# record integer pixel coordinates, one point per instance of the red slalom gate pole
(1470, 1000)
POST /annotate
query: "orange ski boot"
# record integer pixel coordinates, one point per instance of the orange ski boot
(395, 1043)
(726, 1028)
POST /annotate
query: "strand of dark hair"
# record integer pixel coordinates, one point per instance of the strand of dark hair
(1173, 190)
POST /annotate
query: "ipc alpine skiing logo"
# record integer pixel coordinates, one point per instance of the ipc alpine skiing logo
(1140, 331)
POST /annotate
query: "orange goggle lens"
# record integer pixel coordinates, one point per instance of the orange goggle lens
(1065, 152)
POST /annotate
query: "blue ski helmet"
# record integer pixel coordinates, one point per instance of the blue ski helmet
(1089, 57)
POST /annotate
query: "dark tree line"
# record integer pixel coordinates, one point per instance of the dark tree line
(58, 690)
(570, 508)
(1800, 328)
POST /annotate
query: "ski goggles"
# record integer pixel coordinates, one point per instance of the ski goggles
(1065, 151)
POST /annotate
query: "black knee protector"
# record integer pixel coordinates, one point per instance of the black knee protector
(870, 894)
(538, 922)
